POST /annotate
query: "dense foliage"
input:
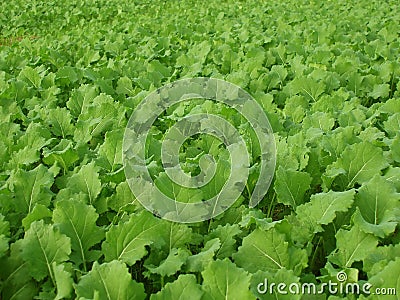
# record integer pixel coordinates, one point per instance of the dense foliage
(71, 73)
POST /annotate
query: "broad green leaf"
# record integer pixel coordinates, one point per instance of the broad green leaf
(291, 186)
(296, 107)
(43, 245)
(31, 76)
(378, 207)
(86, 181)
(31, 188)
(35, 137)
(177, 192)
(101, 115)
(80, 99)
(110, 281)
(357, 164)
(17, 284)
(305, 86)
(226, 234)
(395, 148)
(392, 125)
(124, 86)
(380, 91)
(268, 251)
(110, 152)
(393, 176)
(122, 199)
(298, 146)
(284, 154)
(4, 235)
(322, 209)
(185, 287)
(172, 264)
(264, 284)
(63, 153)
(77, 220)
(126, 241)
(319, 120)
(67, 75)
(391, 106)
(224, 280)
(59, 120)
(379, 258)
(387, 278)
(197, 262)
(63, 281)
(175, 235)
(39, 212)
(353, 245)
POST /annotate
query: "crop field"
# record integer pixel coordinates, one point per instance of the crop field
(325, 76)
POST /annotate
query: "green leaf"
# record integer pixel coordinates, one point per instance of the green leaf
(378, 207)
(393, 176)
(31, 188)
(380, 91)
(177, 192)
(110, 152)
(353, 245)
(305, 86)
(387, 278)
(34, 138)
(86, 181)
(172, 264)
(39, 212)
(110, 281)
(323, 207)
(357, 164)
(77, 220)
(174, 235)
(336, 142)
(379, 258)
(395, 148)
(4, 235)
(63, 281)
(31, 76)
(124, 86)
(127, 241)
(296, 108)
(122, 199)
(185, 287)
(263, 282)
(80, 99)
(392, 125)
(226, 234)
(100, 116)
(391, 106)
(59, 120)
(291, 186)
(268, 251)
(63, 153)
(66, 75)
(16, 281)
(224, 280)
(43, 245)
(197, 262)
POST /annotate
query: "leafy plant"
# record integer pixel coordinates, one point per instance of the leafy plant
(71, 73)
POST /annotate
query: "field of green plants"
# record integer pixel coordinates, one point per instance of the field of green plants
(327, 75)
